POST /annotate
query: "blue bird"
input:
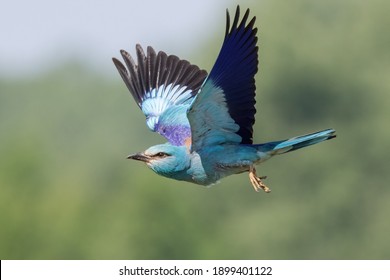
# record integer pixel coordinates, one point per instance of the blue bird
(206, 118)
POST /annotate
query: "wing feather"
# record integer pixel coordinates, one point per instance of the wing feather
(223, 111)
(160, 83)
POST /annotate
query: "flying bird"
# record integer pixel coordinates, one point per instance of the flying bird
(207, 119)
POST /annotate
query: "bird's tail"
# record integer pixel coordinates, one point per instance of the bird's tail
(295, 143)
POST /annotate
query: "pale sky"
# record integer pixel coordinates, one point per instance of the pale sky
(36, 35)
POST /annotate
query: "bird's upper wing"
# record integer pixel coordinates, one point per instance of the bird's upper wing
(223, 110)
(159, 83)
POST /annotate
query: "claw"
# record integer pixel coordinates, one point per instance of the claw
(256, 181)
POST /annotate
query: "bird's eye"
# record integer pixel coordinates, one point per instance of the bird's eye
(161, 154)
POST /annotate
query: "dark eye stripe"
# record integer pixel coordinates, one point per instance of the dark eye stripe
(161, 154)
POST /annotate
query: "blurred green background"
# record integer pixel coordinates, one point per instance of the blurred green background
(67, 191)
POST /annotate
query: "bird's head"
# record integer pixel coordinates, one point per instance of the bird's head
(164, 159)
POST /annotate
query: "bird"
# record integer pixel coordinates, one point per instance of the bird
(206, 118)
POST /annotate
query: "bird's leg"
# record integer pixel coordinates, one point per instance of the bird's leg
(256, 181)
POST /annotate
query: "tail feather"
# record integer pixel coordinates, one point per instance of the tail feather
(295, 143)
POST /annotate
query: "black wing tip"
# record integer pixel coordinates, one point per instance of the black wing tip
(237, 24)
(119, 65)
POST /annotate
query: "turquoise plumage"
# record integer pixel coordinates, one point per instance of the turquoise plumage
(206, 118)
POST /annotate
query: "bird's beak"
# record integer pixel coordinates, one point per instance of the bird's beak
(139, 156)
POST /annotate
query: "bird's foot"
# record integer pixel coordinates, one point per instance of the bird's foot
(256, 181)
